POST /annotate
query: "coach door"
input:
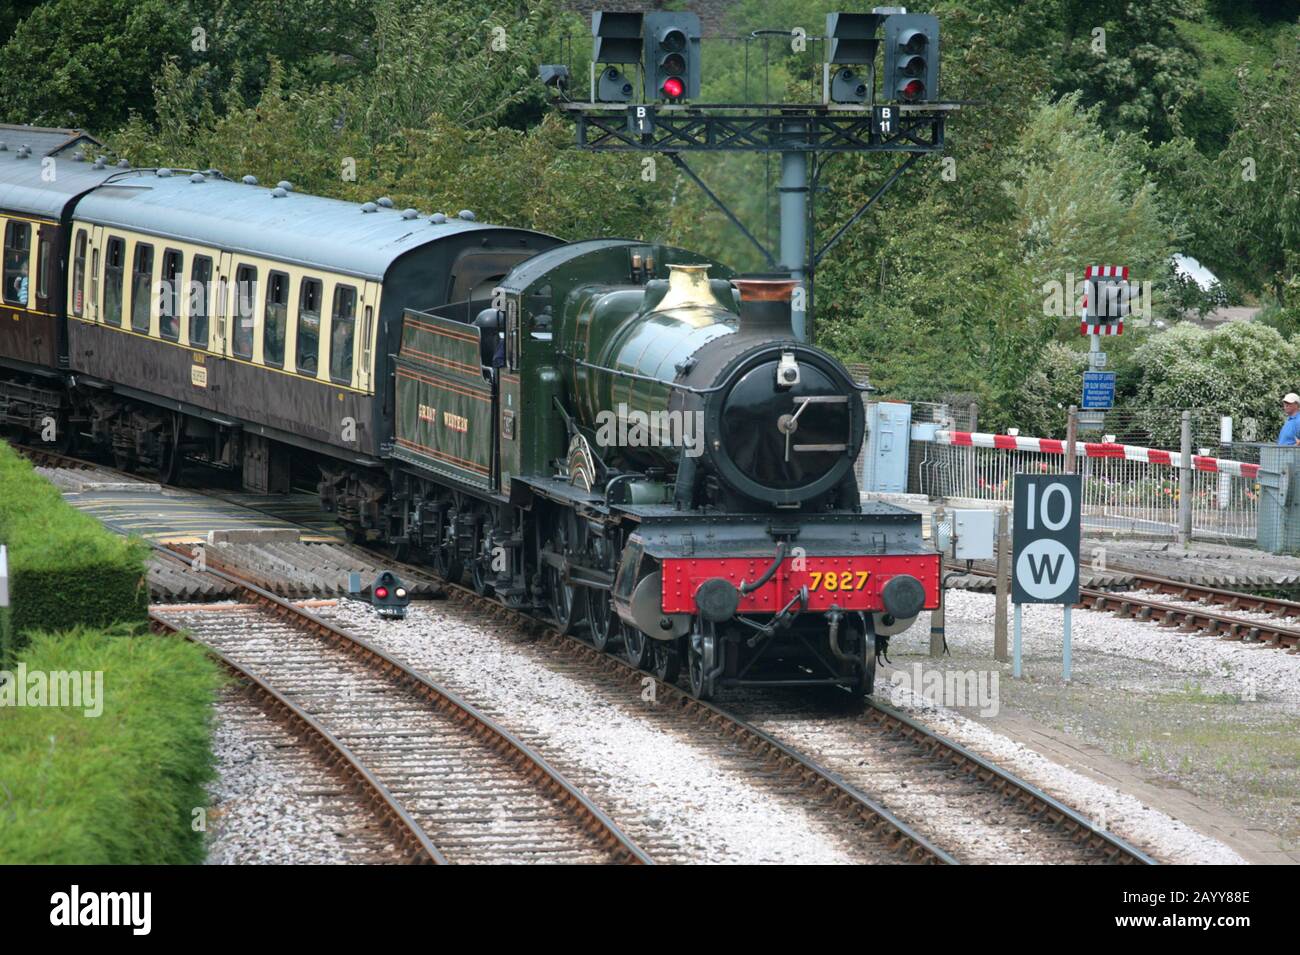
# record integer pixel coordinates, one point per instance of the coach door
(223, 298)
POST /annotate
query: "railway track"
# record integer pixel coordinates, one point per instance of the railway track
(332, 757)
(1197, 608)
(1072, 837)
(477, 791)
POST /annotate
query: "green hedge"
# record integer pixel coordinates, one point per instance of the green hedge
(116, 788)
(65, 568)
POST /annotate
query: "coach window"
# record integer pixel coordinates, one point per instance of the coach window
(79, 275)
(169, 296)
(45, 253)
(141, 287)
(114, 274)
(308, 326)
(276, 318)
(245, 310)
(200, 296)
(342, 326)
(17, 254)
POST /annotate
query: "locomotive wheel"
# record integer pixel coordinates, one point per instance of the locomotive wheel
(865, 684)
(667, 662)
(567, 603)
(701, 661)
(601, 620)
(636, 647)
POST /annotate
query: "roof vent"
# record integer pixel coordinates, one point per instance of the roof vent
(78, 156)
(369, 207)
(284, 184)
(410, 214)
(198, 177)
(23, 151)
(163, 173)
(123, 164)
(99, 163)
(384, 202)
(249, 180)
(279, 192)
(437, 218)
(466, 215)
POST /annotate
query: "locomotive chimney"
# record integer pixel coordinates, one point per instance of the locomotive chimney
(765, 307)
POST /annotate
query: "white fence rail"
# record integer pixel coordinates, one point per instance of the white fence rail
(1125, 488)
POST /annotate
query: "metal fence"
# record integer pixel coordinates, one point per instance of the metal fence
(1123, 492)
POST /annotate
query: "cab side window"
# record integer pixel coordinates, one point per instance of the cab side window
(309, 296)
(114, 275)
(200, 298)
(17, 256)
(141, 282)
(245, 310)
(342, 333)
(276, 318)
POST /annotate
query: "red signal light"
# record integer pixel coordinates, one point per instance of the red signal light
(674, 87)
(381, 593)
(913, 89)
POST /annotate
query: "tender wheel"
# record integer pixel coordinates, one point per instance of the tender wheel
(636, 647)
(667, 662)
(481, 574)
(701, 661)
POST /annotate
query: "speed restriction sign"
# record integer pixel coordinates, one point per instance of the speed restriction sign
(1045, 543)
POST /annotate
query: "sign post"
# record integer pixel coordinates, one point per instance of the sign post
(1045, 549)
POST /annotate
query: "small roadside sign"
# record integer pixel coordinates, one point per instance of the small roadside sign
(1098, 390)
(1045, 542)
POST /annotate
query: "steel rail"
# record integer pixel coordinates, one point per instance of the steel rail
(1192, 619)
(412, 841)
(551, 781)
(1079, 827)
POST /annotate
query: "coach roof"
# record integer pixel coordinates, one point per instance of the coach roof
(311, 231)
(31, 186)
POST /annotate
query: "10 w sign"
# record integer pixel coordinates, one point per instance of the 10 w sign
(1045, 542)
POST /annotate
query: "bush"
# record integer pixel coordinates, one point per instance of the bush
(65, 569)
(1240, 369)
(120, 787)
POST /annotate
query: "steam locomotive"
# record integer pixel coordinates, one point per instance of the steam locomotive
(622, 434)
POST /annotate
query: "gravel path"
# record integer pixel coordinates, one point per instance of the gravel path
(1216, 717)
